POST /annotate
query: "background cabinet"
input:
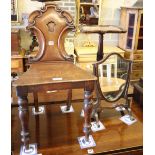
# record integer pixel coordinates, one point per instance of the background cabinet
(15, 41)
(17, 64)
(87, 12)
(16, 58)
(132, 41)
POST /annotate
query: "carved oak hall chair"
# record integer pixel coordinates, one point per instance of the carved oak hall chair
(51, 25)
(52, 68)
(113, 90)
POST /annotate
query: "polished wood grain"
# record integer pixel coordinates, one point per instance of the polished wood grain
(43, 73)
(50, 25)
(117, 137)
(39, 78)
(52, 68)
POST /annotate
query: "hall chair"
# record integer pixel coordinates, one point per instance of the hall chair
(113, 90)
(50, 25)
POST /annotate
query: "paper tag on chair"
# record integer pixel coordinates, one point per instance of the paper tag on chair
(128, 119)
(51, 42)
(57, 78)
(95, 127)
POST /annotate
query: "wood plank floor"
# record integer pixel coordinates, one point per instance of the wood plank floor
(56, 133)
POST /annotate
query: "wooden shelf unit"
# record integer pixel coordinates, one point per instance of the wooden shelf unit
(84, 15)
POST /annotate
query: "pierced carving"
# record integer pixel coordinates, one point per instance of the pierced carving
(51, 26)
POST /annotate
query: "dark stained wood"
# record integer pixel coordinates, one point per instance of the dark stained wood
(101, 30)
(50, 25)
(87, 113)
(117, 137)
(69, 99)
(23, 114)
(39, 78)
(43, 73)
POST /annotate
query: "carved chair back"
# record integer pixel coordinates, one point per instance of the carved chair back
(50, 25)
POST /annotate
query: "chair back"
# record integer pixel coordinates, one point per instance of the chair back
(51, 25)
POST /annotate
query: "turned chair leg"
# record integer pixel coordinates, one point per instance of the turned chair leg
(69, 99)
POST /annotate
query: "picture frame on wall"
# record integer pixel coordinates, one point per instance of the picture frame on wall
(14, 10)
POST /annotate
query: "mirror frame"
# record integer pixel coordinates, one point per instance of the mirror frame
(98, 88)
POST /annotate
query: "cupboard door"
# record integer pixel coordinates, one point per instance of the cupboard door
(139, 35)
(132, 16)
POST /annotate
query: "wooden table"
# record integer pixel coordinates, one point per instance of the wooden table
(53, 76)
(101, 30)
(85, 56)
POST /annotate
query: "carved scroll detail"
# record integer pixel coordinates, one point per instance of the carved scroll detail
(51, 26)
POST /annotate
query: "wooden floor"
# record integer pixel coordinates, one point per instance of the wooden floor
(56, 133)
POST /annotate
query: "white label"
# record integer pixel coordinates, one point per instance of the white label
(51, 91)
(51, 42)
(120, 109)
(57, 78)
(90, 151)
(84, 144)
(97, 127)
(128, 119)
(64, 109)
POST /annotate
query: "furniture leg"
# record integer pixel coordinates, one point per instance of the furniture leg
(69, 99)
(24, 117)
(36, 105)
(100, 47)
(87, 114)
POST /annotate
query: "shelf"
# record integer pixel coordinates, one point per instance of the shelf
(88, 4)
(88, 12)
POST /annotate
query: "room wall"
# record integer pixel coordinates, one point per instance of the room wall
(25, 7)
(110, 13)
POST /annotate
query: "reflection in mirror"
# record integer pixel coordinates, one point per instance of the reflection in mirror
(112, 75)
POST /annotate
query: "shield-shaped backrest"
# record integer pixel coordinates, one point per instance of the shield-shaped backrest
(50, 25)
